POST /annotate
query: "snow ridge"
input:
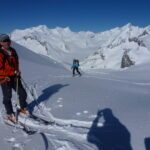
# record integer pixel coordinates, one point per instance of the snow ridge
(96, 50)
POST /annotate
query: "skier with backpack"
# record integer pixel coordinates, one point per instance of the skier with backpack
(10, 78)
(75, 67)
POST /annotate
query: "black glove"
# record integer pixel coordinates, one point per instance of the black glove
(17, 73)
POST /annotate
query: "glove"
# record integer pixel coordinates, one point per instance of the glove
(7, 79)
(17, 73)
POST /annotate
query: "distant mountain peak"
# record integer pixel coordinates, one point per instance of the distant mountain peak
(60, 28)
(129, 26)
(42, 27)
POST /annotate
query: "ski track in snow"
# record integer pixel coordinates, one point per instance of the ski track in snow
(122, 81)
(65, 135)
(62, 136)
(110, 79)
(12, 139)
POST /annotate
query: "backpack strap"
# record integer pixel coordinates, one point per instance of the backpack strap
(6, 57)
(4, 60)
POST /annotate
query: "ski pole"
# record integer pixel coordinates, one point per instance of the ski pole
(32, 94)
(17, 100)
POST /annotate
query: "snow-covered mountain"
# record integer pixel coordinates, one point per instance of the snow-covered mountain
(123, 47)
(60, 44)
(117, 48)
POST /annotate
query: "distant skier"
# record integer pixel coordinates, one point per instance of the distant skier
(10, 78)
(75, 67)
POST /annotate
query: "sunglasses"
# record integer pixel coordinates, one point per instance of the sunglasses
(6, 40)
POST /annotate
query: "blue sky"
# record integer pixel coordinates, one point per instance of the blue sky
(79, 15)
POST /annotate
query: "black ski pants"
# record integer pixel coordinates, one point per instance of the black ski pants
(77, 70)
(7, 94)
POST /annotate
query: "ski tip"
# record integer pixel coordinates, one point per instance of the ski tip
(10, 123)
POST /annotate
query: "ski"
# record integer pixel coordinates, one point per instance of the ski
(27, 129)
(19, 125)
(10, 123)
(42, 119)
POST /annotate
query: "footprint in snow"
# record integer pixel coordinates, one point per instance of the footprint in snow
(59, 100)
(92, 116)
(49, 109)
(78, 113)
(10, 140)
(85, 112)
(17, 146)
(60, 105)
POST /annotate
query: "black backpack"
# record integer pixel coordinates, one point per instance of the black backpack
(6, 57)
(77, 61)
(4, 60)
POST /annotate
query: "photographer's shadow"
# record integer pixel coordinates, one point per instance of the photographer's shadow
(147, 143)
(113, 135)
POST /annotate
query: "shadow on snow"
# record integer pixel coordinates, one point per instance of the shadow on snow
(47, 93)
(113, 135)
(147, 143)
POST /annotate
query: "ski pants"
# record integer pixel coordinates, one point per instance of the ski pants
(77, 70)
(7, 94)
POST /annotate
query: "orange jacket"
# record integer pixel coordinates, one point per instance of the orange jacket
(8, 63)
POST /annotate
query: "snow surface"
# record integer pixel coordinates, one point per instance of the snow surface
(74, 102)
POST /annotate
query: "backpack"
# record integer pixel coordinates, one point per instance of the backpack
(77, 62)
(4, 60)
(6, 57)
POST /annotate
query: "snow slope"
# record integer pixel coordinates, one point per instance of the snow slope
(42, 65)
(60, 44)
(121, 97)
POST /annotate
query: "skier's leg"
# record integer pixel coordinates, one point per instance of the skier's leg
(22, 95)
(78, 71)
(7, 95)
(74, 71)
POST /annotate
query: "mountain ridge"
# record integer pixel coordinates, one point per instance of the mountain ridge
(63, 45)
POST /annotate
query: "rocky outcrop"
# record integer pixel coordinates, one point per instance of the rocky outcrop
(126, 61)
(138, 41)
